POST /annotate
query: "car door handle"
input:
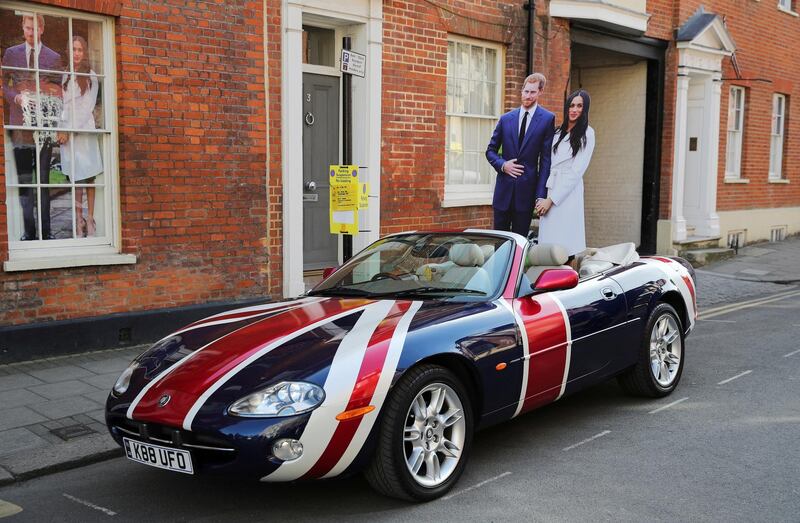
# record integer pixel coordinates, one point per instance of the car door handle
(608, 293)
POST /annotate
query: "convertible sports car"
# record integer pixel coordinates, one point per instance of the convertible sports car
(391, 362)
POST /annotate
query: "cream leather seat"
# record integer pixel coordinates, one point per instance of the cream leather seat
(467, 271)
(544, 256)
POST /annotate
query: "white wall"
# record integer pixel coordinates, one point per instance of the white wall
(757, 223)
(613, 183)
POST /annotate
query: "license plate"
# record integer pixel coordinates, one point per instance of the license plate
(158, 456)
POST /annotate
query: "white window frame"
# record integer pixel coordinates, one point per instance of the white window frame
(777, 136)
(50, 254)
(787, 7)
(733, 152)
(458, 195)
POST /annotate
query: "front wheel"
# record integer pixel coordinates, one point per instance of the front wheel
(661, 356)
(424, 438)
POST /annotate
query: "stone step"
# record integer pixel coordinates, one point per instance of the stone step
(700, 257)
(697, 242)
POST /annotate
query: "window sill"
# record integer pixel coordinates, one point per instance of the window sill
(788, 11)
(737, 180)
(451, 201)
(63, 262)
(778, 180)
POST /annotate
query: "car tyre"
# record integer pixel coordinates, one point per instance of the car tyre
(424, 437)
(661, 356)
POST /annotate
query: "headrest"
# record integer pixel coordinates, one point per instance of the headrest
(546, 254)
(466, 255)
(488, 250)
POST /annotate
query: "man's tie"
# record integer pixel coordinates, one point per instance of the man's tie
(30, 58)
(522, 130)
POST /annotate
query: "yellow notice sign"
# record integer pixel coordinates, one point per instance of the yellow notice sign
(363, 196)
(344, 199)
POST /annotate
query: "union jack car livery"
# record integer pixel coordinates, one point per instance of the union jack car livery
(391, 363)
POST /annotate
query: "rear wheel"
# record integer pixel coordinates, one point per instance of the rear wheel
(661, 356)
(425, 436)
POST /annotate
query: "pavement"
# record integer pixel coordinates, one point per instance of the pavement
(762, 262)
(51, 410)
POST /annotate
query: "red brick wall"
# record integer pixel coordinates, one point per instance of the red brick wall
(200, 124)
(553, 57)
(413, 114)
(192, 156)
(768, 43)
(661, 25)
(274, 240)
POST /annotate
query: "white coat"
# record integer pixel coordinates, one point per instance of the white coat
(564, 222)
(83, 147)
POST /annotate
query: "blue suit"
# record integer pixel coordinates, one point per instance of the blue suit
(514, 198)
(24, 147)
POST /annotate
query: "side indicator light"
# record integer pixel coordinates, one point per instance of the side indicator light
(355, 413)
(500, 366)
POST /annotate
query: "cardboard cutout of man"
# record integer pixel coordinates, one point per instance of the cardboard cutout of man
(19, 89)
(519, 151)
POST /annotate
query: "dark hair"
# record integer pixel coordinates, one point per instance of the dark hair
(82, 67)
(577, 138)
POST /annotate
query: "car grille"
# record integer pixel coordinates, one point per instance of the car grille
(207, 449)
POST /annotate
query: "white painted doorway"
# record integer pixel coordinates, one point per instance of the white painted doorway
(362, 21)
(696, 150)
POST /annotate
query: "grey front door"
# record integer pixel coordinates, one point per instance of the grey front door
(320, 150)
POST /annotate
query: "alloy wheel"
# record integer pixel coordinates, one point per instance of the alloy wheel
(665, 350)
(434, 434)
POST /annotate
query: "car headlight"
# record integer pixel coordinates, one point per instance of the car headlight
(124, 379)
(284, 399)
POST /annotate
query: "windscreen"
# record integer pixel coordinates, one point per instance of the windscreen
(432, 266)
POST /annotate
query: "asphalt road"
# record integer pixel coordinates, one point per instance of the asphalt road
(723, 447)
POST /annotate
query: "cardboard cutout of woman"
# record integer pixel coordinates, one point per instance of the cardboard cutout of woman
(561, 218)
(80, 155)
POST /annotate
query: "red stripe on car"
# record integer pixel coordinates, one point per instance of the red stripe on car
(547, 346)
(187, 384)
(364, 388)
(256, 310)
(690, 285)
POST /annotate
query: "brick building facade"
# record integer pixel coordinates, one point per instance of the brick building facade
(190, 131)
(206, 111)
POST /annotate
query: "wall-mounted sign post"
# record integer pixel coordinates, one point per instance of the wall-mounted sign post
(347, 142)
(347, 194)
(351, 63)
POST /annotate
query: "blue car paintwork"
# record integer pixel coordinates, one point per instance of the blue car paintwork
(606, 319)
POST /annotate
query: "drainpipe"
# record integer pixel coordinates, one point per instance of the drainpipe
(531, 7)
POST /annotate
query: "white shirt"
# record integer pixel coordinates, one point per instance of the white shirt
(522, 115)
(29, 49)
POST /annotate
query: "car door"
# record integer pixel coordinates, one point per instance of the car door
(597, 312)
(568, 337)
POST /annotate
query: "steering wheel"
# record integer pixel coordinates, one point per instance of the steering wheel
(383, 276)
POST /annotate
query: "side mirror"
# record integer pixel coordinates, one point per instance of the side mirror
(327, 271)
(556, 280)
